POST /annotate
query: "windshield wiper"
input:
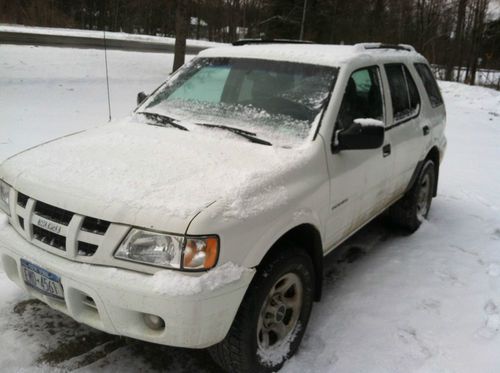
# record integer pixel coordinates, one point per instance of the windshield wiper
(162, 119)
(252, 136)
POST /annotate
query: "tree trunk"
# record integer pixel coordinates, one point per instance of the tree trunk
(181, 31)
(462, 6)
(477, 33)
(453, 54)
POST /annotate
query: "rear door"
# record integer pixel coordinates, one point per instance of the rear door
(406, 129)
(432, 105)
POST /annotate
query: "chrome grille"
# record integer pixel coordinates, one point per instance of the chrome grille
(21, 222)
(49, 238)
(86, 249)
(53, 213)
(22, 199)
(58, 230)
(96, 226)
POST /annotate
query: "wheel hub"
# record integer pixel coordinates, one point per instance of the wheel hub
(280, 312)
(274, 311)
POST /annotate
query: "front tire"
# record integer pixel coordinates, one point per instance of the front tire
(273, 316)
(410, 211)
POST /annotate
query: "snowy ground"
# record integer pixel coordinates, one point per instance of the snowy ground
(69, 88)
(484, 77)
(425, 303)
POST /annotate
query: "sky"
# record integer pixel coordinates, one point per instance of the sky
(494, 9)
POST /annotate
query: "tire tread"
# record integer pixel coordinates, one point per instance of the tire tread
(403, 213)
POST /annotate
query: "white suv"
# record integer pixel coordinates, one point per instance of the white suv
(202, 219)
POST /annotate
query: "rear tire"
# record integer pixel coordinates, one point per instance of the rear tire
(410, 211)
(273, 316)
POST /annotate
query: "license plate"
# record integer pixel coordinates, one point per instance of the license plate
(42, 280)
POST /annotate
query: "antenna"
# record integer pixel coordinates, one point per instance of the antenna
(107, 75)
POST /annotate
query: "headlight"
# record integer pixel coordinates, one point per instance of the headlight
(169, 251)
(152, 248)
(4, 197)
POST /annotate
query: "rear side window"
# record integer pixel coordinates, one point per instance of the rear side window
(413, 91)
(404, 93)
(430, 84)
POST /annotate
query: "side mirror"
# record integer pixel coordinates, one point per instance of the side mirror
(141, 96)
(362, 134)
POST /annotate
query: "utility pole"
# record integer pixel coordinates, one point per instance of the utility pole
(303, 20)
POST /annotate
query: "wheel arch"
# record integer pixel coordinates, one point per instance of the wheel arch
(434, 156)
(308, 238)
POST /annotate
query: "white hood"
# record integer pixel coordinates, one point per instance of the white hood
(148, 176)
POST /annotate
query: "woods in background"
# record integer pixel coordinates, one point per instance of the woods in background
(457, 35)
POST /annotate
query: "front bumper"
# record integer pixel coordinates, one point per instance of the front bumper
(119, 298)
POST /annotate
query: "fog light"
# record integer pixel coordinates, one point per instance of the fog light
(154, 322)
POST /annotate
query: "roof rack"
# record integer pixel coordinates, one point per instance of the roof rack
(401, 47)
(270, 41)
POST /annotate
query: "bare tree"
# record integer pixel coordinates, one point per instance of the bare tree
(181, 31)
(479, 11)
(459, 32)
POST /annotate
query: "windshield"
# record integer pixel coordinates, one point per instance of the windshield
(278, 101)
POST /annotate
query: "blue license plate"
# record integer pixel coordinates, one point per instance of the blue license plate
(42, 280)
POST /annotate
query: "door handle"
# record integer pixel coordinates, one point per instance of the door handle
(426, 130)
(386, 150)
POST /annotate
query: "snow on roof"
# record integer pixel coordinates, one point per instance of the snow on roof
(319, 54)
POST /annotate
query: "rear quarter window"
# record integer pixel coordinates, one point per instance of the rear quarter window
(430, 84)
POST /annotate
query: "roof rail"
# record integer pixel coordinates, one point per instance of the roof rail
(401, 47)
(270, 41)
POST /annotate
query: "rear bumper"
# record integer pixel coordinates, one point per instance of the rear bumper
(121, 297)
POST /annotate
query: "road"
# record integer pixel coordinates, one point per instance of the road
(70, 41)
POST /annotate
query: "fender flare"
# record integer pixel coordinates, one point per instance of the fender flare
(432, 155)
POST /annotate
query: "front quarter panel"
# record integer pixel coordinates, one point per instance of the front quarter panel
(248, 226)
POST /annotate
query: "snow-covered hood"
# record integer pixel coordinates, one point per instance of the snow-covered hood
(149, 176)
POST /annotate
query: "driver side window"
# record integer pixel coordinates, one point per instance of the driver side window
(362, 98)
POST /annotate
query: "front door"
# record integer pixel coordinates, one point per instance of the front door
(358, 178)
